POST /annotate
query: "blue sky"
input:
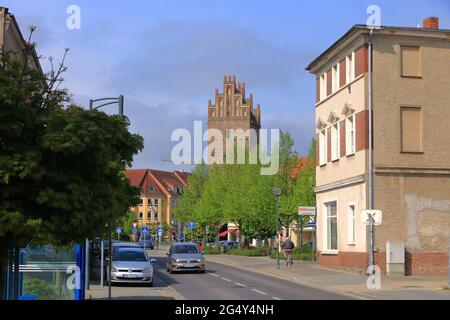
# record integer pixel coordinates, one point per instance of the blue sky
(168, 56)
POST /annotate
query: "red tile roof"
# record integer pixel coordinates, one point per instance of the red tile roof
(299, 166)
(163, 182)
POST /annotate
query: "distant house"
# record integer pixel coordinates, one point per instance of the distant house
(160, 191)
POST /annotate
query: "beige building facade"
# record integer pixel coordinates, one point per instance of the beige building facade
(12, 41)
(411, 159)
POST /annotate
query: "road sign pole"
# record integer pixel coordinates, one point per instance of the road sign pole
(110, 263)
(371, 242)
(102, 262)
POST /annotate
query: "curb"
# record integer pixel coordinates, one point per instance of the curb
(353, 295)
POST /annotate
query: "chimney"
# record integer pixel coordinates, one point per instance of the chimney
(431, 23)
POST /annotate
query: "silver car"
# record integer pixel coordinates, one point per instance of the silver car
(185, 256)
(131, 265)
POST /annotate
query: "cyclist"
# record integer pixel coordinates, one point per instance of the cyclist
(288, 246)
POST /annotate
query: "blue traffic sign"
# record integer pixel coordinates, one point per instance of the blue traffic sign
(312, 224)
(135, 230)
(144, 230)
(160, 230)
(191, 225)
(119, 230)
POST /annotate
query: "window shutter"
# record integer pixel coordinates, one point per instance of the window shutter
(411, 129)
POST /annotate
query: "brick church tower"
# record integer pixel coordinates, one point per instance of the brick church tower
(232, 109)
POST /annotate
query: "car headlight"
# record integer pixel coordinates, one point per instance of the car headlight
(148, 270)
(114, 269)
(199, 260)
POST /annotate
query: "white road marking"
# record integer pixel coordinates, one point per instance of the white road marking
(213, 274)
(240, 285)
(226, 279)
(275, 298)
(260, 292)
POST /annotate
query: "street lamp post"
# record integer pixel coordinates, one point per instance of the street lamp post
(277, 194)
(108, 101)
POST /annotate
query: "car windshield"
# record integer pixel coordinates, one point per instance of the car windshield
(130, 255)
(185, 248)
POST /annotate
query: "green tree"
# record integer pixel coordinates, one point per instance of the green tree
(62, 167)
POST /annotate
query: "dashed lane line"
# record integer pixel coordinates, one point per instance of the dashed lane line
(240, 285)
(263, 293)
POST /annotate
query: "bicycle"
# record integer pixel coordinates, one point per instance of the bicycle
(288, 258)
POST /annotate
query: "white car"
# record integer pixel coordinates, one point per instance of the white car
(131, 265)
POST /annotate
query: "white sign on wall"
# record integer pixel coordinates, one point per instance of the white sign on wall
(376, 214)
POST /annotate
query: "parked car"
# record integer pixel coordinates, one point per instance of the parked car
(146, 242)
(131, 265)
(230, 244)
(185, 256)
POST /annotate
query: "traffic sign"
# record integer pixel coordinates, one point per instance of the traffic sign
(135, 230)
(191, 225)
(312, 224)
(375, 214)
(119, 230)
(306, 211)
(144, 230)
(160, 230)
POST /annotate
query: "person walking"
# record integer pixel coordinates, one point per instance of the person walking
(288, 246)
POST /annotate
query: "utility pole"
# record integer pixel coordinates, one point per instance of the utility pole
(110, 262)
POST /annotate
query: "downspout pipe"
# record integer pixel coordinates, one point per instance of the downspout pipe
(370, 160)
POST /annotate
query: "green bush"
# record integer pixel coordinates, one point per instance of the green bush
(211, 251)
(250, 252)
(41, 288)
(297, 254)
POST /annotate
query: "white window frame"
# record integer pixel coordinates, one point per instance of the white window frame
(323, 148)
(335, 78)
(335, 141)
(350, 137)
(326, 239)
(351, 223)
(350, 67)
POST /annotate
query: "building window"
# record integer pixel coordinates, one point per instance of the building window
(411, 64)
(335, 145)
(350, 139)
(141, 202)
(331, 226)
(351, 225)
(323, 147)
(350, 67)
(411, 129)
(141, 215)
(149, 202)
(156, 202)
(149, 215)
(335, 75)
(323, 86)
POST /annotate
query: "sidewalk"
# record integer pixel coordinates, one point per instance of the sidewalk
(313, 275)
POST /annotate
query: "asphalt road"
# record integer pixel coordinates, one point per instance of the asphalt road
(222, 282)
